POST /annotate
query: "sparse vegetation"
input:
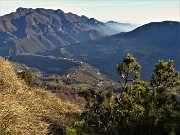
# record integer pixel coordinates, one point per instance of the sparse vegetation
(30, 111)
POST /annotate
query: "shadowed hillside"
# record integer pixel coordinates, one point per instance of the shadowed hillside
(48, 65)
(147, 43)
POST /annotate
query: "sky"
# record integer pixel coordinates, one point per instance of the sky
(129, 11)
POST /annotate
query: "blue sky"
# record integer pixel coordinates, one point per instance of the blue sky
(132, 11)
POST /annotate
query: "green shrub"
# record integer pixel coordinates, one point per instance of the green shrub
(141, 108)
(26, 75)
(71, 131)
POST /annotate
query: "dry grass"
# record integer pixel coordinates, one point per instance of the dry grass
(28, 111)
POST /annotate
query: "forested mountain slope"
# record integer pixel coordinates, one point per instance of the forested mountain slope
(148, 43)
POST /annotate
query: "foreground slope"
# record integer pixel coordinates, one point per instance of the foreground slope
(25, 110)
(148, 43)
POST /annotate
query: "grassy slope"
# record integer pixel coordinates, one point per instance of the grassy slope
(25, 110)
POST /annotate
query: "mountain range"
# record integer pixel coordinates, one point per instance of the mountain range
(48, 33)
(148, 43)
(37, 30)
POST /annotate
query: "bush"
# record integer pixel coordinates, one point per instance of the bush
(26, 75)
(141, 108)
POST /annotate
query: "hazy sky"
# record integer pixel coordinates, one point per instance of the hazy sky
(133, 11)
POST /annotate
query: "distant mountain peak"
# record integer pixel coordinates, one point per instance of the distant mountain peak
(84, 17)
(121, 27)
(21, 9)
(154, 27)
(115, 22)
(36, 30)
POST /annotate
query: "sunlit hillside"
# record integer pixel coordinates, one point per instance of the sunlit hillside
(30, 111)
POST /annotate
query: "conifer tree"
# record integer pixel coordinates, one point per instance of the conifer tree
(141, 108)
